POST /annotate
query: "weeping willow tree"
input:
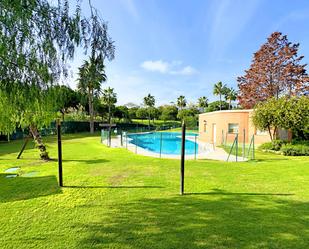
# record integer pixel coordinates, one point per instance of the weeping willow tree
(27, 107)
(37, 40)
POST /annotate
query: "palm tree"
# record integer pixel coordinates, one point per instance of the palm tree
(149, 101)
(202, 102)
(181, 102)
(109, 98)
(90, 77)
(230, 95)
(219, 89)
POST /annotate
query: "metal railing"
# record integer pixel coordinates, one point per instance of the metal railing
(239, 147)
(132, 142)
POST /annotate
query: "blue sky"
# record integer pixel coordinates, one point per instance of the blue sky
(180, 47)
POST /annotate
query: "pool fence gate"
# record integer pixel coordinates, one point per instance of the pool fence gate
(239, 147)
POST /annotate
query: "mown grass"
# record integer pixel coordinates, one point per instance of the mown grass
(115, 199)
(156, 122)
(187, 130)
(241, 151)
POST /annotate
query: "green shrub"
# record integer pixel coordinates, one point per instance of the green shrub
(303, 142)
(277, 144)
(266, 146)
(274, 145)
(295, 149)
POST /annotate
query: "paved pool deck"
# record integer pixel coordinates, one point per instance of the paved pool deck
(206, 151)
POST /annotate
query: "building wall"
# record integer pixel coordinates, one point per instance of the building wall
(259, 138)
(221, 120)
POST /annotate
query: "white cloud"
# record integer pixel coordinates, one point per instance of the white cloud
(127, 83)
(156, 66)
(188, 70)
(165, 67)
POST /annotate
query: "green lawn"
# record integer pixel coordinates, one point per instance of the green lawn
(115, 199)
(187, 130)
(157, 122)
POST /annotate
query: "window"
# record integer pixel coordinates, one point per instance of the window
(233, 128)
(205, 125)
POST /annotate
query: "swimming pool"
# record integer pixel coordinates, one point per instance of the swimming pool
(171, 142)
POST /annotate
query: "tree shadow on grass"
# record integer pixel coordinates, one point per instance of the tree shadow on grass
(222, 192)
(86, 161)
(120, 187)
(14, 147)
(24, 188)
(259, 160)
(51, 139)
(226, 221)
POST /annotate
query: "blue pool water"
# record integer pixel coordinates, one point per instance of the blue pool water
(171, 142)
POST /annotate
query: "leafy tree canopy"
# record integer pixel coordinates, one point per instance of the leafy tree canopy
(181, 102)
(168, 112)
(215, 106)
(37, 40)
(276, 70)
(142, 113)
(288, 113)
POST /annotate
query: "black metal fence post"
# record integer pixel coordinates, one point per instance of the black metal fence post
(236, 146)
(253, 149)
(195, 147)
(244, 144)
(231, 149)
(110, 136)
(121, 138)
(126, 140)
(182, 160)
(160, 144)
(59, 153)
(135, 144)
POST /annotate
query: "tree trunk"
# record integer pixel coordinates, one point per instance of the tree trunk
(90, 99)
(220, 102)
(39, 142)
(230, 104)
(269, 131)
(275, 133)
(149, 120)
(62, 114)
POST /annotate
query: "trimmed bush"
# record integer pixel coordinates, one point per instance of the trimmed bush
(295, 149)
(303, 142)
(266, 146)
(274, 145)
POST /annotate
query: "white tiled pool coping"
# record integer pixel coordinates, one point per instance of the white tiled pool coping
(208, 151)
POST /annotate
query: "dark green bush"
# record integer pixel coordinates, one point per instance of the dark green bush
(274, 145)
(295, 149)
(266, 146)
(303, 142)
